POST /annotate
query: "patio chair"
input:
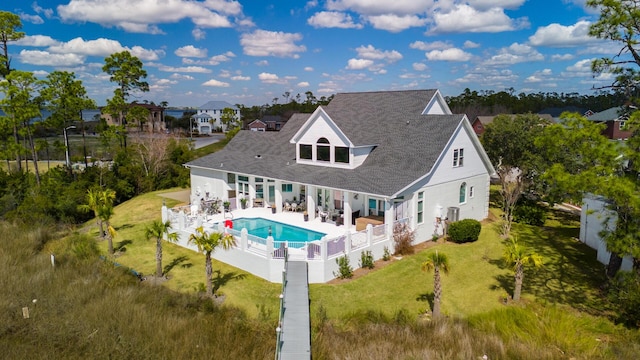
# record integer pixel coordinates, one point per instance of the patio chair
(294, 207)
(323, 214)
(287, 206)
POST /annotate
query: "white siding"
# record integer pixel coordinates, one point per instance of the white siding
(215, 181)
(321, 127)
(472, 163)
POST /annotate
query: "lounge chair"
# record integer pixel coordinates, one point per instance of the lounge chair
(287, 206)
(294, 207)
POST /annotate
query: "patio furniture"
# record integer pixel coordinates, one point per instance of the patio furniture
(287, 206)
(294, 207)
(258, 202)
(323, 214)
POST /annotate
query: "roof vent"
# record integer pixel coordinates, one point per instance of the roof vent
(407, 122)
(221, 164)
(258, 156)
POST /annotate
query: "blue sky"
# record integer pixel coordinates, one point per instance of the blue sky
(250, 52)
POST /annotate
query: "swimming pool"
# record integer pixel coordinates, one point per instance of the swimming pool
(281, 232)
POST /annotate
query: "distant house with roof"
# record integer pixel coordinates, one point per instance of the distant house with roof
(154, 123)
(615, 119)
(389, 156)
(257, 125)
(480, 122)
(207, 119)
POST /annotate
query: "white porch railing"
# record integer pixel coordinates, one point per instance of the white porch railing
(322, 252)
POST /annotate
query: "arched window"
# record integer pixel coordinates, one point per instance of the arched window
(323, 150)
(463, 192)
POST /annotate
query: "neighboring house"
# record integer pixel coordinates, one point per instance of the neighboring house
(480, 122)
(615, 119)
(155, 122)
(274, 122)
(392, 155)
(207, 118)
(594, 218)
(257, 125)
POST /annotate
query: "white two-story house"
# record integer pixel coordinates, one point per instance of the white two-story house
(388, 155)
(207, 119)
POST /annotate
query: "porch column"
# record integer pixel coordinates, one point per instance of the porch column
(388, 216)
(311, 201)
(347, 209)
(278, 198)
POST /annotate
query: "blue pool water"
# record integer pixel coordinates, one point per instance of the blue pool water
(280, 232)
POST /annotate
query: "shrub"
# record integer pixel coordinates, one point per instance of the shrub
(345, 271)
(466, 230)
(529, 212)
(366, 260)
(624, 293)
(386, 255)
(402, 239)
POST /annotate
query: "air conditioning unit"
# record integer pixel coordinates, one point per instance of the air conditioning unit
(453, 214)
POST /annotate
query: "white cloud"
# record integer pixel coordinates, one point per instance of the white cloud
(395, 23)
(187, 69)
(369, 52)
(198, 34)
(419, 66)
(103, 47)
(562, 57)
(332, 19)
(34, 19)
(470, 45)
(426, 46)
(35, 57)
(181, 76)
(37, 40)
(146, 14)
(215, 83)
(581, 68)
(241, 78)
(370, 7)
(453, 54)
(269, 78)
(191, 51)
(308, 68)
(262, 63)
(165, 82)
(556, 35)
(303, 84)
(48, 13)
(464, 18)
(514, 54)
(272, 43)
(359, 64)
(212, 61)
(488, 4)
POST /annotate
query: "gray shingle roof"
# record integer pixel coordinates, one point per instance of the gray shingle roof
(607, 115)
(217, 105)
(408, 144)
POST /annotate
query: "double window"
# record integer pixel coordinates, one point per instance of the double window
(458, 157)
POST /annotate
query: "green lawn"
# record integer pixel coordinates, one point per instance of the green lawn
(477, 280)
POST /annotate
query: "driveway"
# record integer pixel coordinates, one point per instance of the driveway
(202, 141)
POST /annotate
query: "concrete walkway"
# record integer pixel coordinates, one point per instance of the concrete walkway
(296, 325)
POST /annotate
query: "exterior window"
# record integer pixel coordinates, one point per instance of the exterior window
(323, 150)
(287, 187)
(243, 178)
(458, 156)
(231, 178)
(337, 200)
(622, 125)
(306, 151)
(342, 154)
(420, 207)
(376, 207)
(470, 192)
(463, 193)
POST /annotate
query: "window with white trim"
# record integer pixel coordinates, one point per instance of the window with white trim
(287, 187)
(463, 193)
(471, 192)
(323, 150)
(458, 157)
(420, 207)
(622, 125)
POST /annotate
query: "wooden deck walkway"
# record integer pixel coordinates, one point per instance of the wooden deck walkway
(295, 337)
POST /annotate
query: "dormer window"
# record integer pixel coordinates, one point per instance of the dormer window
(342, 154)
(323, 150)
(306, 152)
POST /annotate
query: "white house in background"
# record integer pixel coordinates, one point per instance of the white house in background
(594, 218)
(207, 118)
(385, 156)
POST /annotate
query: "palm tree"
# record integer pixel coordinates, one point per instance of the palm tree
(157, 230)
(105, 213)
(436, 262)
(96, 200)
(520, 256)
(208, 243)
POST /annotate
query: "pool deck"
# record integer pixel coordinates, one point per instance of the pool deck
(287, 217)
